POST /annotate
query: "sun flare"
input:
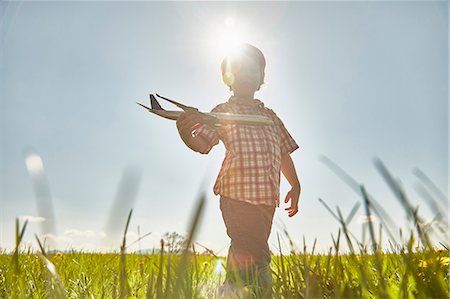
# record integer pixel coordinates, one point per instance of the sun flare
(34, 164)
(228, 36)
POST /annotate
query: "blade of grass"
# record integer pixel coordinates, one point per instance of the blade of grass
(40, 246)
(354, 185)
(432, 186)
(123, 283)
(180, 288)
(59, 290)
(367, 206)
(403, 199)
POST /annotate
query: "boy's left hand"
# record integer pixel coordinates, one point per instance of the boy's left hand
(293, 195)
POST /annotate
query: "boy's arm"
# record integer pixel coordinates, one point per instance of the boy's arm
(186, 124)
(288, 170)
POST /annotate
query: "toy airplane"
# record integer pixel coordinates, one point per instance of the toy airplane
(213, 119)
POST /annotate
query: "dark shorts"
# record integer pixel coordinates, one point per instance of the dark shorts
(248, 227)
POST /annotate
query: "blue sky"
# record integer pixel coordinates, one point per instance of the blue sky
(351, 81)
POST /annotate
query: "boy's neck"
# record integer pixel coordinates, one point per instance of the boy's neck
(244, 97)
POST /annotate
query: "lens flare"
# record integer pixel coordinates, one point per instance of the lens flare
(34, 164)
(226, 36)
(229, 41)
(219, 267)
(228, 78)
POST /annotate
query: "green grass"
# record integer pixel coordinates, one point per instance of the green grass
(406, 274)
(415, 269)
(93, 275)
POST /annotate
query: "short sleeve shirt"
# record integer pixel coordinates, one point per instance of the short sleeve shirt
(251, 168)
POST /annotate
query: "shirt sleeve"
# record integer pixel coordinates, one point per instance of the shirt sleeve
(287, 143)
(208, 133)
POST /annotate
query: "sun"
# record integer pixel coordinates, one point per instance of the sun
(228, 36)
(224, 39)
(228, 42)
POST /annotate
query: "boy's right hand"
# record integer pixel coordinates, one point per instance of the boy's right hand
(187, 122)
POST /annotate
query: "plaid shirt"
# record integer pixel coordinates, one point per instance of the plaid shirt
(251, 169)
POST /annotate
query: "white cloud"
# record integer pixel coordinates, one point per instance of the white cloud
(73, 232)
(89, 234)
(52, 237)
(49, 236)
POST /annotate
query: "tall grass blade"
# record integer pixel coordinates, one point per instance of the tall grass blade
(429, 183)
(432, 204)
(355, 186)
(412, 213)
(159, 278)
(345, 231)
(58, 289)
(41, 247)
(123, 283)
(352, 213)
(138, 240)
(124, 201)
(19, 237)
(180, 283)
(329, 209)
(378, 265)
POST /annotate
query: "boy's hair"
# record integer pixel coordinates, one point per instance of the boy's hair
(244, 50)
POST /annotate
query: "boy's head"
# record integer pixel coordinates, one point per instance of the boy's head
(243, 69)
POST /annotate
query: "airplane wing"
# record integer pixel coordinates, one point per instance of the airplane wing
(213, 119)
(182, 106)
(173, 115)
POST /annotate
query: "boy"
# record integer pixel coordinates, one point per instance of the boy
(249, 180)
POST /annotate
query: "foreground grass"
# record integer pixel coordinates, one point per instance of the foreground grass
(405, 274)
(401, 275)
(412, 270)
(89, 275)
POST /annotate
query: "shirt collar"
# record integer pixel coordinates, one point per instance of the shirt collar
(249, 103)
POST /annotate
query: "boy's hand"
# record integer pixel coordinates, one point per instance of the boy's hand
(187, 122)
(293, 195)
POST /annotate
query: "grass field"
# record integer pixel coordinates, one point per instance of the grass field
(405, 274)
(417, 268)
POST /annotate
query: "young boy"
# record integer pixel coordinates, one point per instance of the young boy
(249, 180)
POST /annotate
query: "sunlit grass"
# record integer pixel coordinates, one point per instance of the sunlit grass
(406, 273)
(417, 268)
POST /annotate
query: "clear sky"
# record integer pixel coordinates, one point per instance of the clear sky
(351, 81)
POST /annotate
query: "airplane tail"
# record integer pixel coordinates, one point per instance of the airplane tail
(154, 103)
